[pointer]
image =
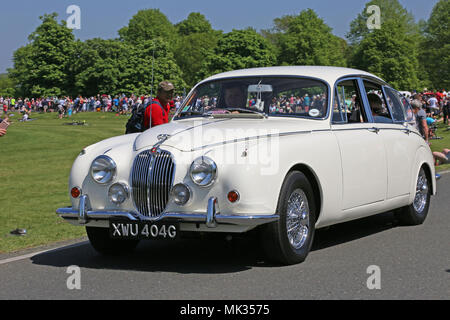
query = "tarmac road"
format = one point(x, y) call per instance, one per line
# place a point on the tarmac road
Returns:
point(413, 263)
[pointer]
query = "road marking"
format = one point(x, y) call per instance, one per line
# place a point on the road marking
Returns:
point(30, 255)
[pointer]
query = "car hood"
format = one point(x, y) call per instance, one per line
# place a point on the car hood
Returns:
point(195, 133)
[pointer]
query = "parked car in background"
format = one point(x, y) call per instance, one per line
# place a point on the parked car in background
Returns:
point(283, 150)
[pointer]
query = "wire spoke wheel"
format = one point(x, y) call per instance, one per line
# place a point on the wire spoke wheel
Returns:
point(297, 220)
point(421, 197)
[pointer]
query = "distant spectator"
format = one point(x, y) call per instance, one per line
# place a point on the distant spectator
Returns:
point(157, 112)
point(446, 110)
point(442, 157)
point(421, 118)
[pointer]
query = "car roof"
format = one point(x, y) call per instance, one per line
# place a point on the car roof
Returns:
point(329, 74)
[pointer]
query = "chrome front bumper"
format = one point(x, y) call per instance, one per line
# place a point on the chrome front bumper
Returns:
point(212, 219)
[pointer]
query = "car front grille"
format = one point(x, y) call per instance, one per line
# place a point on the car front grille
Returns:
point(151, 179)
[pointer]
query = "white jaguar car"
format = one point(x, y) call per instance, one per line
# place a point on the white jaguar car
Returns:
point(286, 150)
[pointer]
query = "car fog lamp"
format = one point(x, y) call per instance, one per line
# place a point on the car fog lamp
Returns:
point(233, 196)
point(203, 171)
point(118, 193)
point(180, 194)
point(103, 169)
point(75, 192)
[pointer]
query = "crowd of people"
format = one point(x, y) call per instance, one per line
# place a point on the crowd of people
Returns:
point(66, 106)
point(429, 108)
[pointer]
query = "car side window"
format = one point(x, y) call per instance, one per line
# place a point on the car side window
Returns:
point(408, 110)
point(395, 102)
point(347, 106)
point(377, 103)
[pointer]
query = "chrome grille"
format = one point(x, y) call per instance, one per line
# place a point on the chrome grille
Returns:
point(151, 181)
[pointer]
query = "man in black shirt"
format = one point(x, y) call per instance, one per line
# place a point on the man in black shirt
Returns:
point(446, 110)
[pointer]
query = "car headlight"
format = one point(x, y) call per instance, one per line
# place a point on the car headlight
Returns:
point(181, 194)
point(103, 169)
point(203, 171)
point(118, 193)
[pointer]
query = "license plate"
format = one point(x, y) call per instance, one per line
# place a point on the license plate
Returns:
point(143, 230)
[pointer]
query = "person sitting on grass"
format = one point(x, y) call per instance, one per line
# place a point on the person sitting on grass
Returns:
point(441, 157)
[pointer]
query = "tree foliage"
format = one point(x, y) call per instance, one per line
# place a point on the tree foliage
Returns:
point(195, 23)
point(41, 67)
point(390, 52)
point(239, 49)
point(6, 86)
point(197, 40)
point(305, 39)
point(148, 24)
point(435, 47)
point(114, 67)
point(150, 49)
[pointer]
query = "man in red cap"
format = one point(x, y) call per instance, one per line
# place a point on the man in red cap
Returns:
point(157, 112)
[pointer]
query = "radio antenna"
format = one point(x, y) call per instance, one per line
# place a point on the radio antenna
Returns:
point(153, 63)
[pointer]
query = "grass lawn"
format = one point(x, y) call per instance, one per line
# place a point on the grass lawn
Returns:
point(35, 162)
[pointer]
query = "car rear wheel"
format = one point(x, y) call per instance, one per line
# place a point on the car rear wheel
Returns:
point(288, 241)
point(417, 212)
point(102, 243)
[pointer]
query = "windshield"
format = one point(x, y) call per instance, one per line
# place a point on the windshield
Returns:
point(272, 96)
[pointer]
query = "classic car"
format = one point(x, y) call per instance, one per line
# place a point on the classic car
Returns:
point(282, 151)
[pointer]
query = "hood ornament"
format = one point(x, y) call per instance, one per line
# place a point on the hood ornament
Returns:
point(161, 139)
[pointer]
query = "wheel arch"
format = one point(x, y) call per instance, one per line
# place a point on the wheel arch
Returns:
point(429, 174)
point(423, 159)
point(315, 184)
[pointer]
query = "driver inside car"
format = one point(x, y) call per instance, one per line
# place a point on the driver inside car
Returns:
point(234, 97)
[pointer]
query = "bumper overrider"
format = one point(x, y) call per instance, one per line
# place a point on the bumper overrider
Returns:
point(212, 219)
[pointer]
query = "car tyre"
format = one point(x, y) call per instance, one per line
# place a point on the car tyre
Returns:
point(416, 213)
point(102, 243)
point(289, 240)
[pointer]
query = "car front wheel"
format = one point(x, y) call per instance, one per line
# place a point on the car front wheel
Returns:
point(289, 240)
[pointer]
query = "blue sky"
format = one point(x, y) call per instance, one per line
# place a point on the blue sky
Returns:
point(100, 18)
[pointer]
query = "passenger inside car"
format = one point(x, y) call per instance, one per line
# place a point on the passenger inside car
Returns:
point(376, 105)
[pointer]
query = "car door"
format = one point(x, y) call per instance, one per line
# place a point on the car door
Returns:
point(364, 165)
point(390, 120)
point(400, 144)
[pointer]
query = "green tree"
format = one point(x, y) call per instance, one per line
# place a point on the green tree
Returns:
point(99, 66)
point(190, 53)
point(197, 40)
point(115, 67)
point(148, 24)
point(239, 49)
point(305, 39)
point(435, 47)
point(195, 23)
point(7, 86)
point(391, 10)
point(153, 62)
point(390, 52)
point(40, 68)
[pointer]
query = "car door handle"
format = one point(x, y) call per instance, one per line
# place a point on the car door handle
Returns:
point(407, 131)
point(374, 130)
